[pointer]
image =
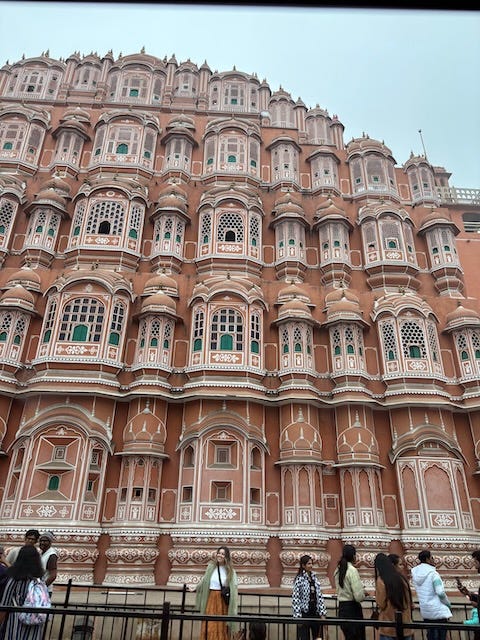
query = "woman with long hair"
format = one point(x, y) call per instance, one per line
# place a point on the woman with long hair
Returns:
point(392, 593)
point(350, 593)
point(307, 600)
point(219, 573)
point(26, 567)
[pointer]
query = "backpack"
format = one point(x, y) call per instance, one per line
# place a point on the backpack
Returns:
point(37, 596)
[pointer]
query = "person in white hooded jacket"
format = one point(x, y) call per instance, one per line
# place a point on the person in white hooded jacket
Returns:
point(432, 599)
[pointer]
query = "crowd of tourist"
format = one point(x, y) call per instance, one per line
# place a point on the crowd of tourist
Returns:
point(217, 594)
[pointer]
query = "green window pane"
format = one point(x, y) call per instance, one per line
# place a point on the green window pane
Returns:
point(53, 483)
point(226, 343)
point(114, 338)
point(80, 333)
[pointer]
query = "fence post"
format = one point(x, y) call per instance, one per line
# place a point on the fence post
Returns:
point(399, 625)
point(165, 621)
point(65, 605)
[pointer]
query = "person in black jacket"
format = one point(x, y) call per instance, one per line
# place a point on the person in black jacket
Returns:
point(307, 600)
point(471, 595)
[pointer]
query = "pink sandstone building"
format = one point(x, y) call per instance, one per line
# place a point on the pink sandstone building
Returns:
point(221, 322)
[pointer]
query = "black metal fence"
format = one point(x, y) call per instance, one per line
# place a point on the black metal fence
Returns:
point(97, 612)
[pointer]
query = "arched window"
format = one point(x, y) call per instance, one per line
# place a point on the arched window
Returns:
point(53, 483)
point(227, 331)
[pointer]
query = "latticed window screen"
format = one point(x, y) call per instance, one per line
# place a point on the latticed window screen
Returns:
point(12, 135)
point(433, 341)
point(49, 320)
point(78, 218)
point(136, 220)
point(230, 228)
point(82, 313)
point(206, 228)
point(106, 211)
point(232, 149)
point(255, 231)
point(297, 339)
point(198, 329)
point(5, 325)
point(255, 333)
point(389, 341)
point(118, 318)
point(123, 135)
point(7, 210)
point(167, 335)
point(227, 331)
point(475, 336)
point(413, 339)
point(391, 235)
point(19, 332)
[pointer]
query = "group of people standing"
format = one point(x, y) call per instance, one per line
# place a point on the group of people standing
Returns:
point(393, 594)
point(19, 567)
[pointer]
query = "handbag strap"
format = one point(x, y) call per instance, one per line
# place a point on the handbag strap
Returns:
point(219, 576)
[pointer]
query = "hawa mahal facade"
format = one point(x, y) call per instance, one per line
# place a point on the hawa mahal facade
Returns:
point(220, 322)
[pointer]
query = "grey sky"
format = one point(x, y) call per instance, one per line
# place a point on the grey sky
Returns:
point(385, 72)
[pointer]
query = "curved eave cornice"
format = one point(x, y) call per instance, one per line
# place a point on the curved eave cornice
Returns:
point(419, 436)
point(284, 140)
point(295, 461)
point(296, 318)
point(159, 311)
point(322, 151)
point(146, 452)
point(345, 317)
point(288, 215)
point(179, 133)
point(440, 222)
point(71, 126)
point(358, 463)
point(332, 217)
point(175, 210)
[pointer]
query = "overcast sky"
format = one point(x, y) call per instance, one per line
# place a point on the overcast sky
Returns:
point(386, 72)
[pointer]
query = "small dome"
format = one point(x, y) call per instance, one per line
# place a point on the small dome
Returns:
point(287, 206)
point(437, 217)
point(172, 199)
point(366, 144)
point(76, 113)
point(295, 309)
point(18, 296)
point(300, 441)
point(329, 210)
point(357, 444)
point(145, 433)
point(50, 196)
point(27, 278)
point(341, 294)
point(461, 317)
point(158, 303)
point(161, 283)
point(291, 292)
point(181, 121)
point(61, 186)
point(343, 307)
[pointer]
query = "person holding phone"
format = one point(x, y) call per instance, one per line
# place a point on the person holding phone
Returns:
point(471, 595)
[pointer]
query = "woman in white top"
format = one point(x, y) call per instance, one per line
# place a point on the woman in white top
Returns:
point(209, 600)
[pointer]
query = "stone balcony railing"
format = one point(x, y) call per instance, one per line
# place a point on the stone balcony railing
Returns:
point(454, 195)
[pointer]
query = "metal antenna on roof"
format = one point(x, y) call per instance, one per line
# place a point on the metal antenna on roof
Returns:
point(423, 145)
